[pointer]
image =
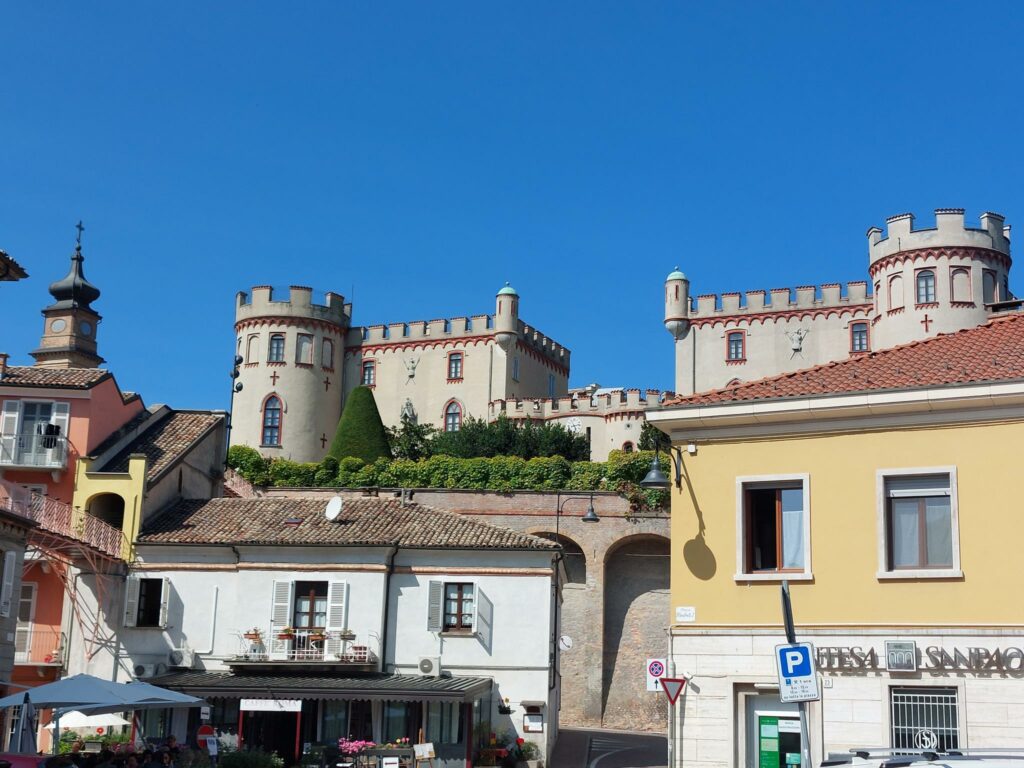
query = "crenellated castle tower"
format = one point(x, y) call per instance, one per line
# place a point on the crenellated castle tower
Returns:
point(301, 359)
point(925, 281)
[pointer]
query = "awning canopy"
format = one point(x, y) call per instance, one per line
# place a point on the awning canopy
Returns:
point(93, 695)
point(373, 687)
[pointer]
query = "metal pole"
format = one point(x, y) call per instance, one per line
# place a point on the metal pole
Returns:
point(787, 617)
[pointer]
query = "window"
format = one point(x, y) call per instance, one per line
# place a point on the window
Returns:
point(455, 365)
point(960, 284)
point(924, 718)
point(627, 447)
point(276, 353)
point(327, 354)
point(515, 368)
point(925, 286)
point(988, 280)
point(773, 521)
point(271, 421)
point(859, 337)
point(333, 719)
point(444, 724)
point(735, 346)
point(400, 720)
point(458, 607)
point(34, 433)
point(369, 373)
point(26, 616)
point(310, 605)
point(920, 531)
point(896, 292)
point(304, 349)
point(11, 569)
point(551, 385)
point(252, 348)
point(453, 417)
point(145, 602)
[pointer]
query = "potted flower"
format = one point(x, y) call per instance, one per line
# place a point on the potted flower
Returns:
point(286, 634)
point(317, 636)
point(529, 754)
point(254, 635)
point(346, 634)
point(351, 747)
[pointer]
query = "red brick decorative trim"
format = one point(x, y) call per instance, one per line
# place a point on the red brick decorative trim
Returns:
point(963, 304)
point(782, 314)
point(927, 305)
point(986, 255)
point(395, 346)
point(300, 322)
point(895, 311)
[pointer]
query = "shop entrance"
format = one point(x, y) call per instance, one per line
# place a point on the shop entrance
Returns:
point(772, 731)
point(272, 732)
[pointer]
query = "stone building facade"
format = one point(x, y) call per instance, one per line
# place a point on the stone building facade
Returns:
point(301, 358)
point(923, 282)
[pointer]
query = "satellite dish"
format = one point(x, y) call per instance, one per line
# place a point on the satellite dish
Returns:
point(333, 509)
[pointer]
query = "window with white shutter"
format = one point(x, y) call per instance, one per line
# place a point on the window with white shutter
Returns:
point(435, 606)
point(146, 602)
point(9, 418)
point(131, 601)
point(282, 597)
point(337, 603)
point(483, 619)
point(7, 584)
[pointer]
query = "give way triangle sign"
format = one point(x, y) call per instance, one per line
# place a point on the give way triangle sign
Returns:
point(672, 687)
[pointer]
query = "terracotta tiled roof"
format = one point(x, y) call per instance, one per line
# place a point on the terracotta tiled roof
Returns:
point(363, 522)
point(990, 352)
point(66, 378)
point(165, 442)
point(10, 269)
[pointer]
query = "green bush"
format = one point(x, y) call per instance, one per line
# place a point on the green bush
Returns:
point(360, 432)
point(249, 464)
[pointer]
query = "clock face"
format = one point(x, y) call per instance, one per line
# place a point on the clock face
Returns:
point(85, 327)
point(58, 325)
point(575, 424)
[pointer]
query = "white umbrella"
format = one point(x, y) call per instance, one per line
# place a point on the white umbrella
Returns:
point(77, 719)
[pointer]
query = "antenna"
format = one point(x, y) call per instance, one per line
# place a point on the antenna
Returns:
point(333, 509)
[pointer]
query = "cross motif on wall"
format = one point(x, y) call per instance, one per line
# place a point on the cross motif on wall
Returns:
point(926, 322)
point(274, 377)
point(327, 383)
point(323, 440)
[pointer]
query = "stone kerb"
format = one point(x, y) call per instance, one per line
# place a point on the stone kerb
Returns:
point(949, 232)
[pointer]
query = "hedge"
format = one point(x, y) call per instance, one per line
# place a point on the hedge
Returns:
point(360, 431)
point(622, 473)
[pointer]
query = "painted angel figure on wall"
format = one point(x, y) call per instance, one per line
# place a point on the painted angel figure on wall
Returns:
point(796, 341)
point(410, 367)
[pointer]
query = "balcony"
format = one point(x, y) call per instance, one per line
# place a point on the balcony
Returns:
point(39, 646)
point(55, 517)
point(304, 647)
point(33, 451)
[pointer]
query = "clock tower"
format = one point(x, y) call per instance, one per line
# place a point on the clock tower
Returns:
point(69, 331)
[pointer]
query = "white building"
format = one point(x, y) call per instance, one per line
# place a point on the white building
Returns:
point(389, 620)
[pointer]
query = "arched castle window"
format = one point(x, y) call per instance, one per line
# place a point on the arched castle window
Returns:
point(551, 385)
point(874, 297)
point(735, 346)
point(925, 286)
point(276, 351)
point(454, 366)
point(452, 417)
point(515, 368)
point(304, 349)
point(859, 337)
point(988, 279)
point(627, 447)
point(960, 284)
point(896, 292)
point(271, 421)
point(252, 348)
point(327, 354)
point(369, 377)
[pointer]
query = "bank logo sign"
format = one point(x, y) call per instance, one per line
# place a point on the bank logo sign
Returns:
point(900, 656)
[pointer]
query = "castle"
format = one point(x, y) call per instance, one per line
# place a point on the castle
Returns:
point(300, 359)
point(925, 282)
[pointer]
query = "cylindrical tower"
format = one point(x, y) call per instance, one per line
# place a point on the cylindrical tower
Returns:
point(939, 280)
point(506, 317)
point(677, 304)
point(292, 353)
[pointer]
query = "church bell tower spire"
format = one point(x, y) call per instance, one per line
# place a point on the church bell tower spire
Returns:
point(69, 330)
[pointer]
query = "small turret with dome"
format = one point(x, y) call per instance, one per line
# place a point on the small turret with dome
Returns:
point(506, 316)
point(677, 304)
point(69, 331)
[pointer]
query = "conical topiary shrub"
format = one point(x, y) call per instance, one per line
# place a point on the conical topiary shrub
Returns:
point(360, 431)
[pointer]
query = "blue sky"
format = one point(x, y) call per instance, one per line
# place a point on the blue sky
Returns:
point(421, 154)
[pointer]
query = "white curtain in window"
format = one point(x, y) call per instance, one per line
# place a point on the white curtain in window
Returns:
point(904, 532)
point(939, 530)
point(792, 528)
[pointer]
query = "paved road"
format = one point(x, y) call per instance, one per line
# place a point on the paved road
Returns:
point(580, 748)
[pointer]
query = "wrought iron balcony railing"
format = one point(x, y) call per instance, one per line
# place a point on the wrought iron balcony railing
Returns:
point(34, 451)
point(38, 645)
point(304, 645)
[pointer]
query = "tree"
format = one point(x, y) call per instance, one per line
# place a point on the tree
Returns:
point(653, 439)
point(410, 440)
point(360, 431)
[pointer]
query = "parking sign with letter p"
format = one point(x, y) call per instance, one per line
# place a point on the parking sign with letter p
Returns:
point(797, 678)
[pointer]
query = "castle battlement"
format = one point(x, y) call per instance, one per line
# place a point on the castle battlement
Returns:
point(780, 300)
point(616, 402)
point(265, 301)
point(548, 347)
point(949, 232)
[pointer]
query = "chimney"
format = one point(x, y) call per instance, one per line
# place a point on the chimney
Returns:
point(3, 364)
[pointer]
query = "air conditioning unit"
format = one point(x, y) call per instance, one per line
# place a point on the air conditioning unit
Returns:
point(143, 671)
point(181, 658)
point(430, 666)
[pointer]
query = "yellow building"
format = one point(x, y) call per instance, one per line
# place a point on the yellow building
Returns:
point(881, 487)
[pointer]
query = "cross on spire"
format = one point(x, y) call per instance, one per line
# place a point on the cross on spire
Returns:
point(78, 240)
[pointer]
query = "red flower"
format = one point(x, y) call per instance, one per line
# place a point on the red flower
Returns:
point(520, 741)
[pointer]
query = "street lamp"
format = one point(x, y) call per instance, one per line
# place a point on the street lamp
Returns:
point(590, 516)
point(236, 386)
point(655, 478)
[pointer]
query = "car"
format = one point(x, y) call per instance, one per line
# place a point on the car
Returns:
point(919, 758)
